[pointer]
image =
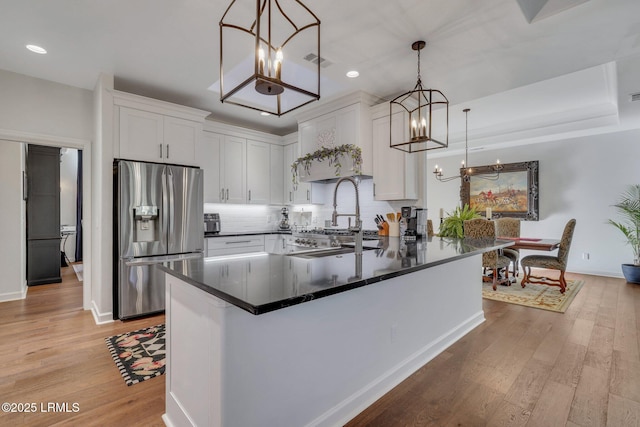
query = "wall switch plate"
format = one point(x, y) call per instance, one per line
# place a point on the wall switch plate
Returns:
point(585, 255)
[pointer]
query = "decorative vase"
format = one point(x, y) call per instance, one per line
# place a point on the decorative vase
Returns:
point(631, 273)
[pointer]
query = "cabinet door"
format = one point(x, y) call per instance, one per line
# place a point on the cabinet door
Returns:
point(210, 162)
point(277, 175)
point(232, 169)
point(290, 154)
point(347, 121)
point(141, 135)
point(258, 172)
point(181, 138)
point(394, 171)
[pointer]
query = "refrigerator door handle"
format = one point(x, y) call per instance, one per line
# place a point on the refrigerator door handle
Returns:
point(170, 192)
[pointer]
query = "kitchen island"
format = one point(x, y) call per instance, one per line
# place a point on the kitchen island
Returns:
point(266, 340)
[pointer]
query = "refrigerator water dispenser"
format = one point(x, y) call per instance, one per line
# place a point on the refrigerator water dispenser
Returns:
point(146, 218)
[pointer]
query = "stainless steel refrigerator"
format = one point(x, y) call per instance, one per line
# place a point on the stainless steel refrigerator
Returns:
point(158, 211)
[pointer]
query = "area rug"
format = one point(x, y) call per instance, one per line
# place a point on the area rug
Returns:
point(139, 355)
point(534, 295)
point(79, 270)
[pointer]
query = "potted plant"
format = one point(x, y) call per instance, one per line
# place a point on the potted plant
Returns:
point(629, 208)
point(452, 225)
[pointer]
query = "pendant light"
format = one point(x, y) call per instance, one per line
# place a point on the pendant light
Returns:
point(259, 49)
point(465, 170)
point(417, 108)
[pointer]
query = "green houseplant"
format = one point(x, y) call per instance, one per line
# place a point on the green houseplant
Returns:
point(330, 154)
point(452, 225)
point(628, 207)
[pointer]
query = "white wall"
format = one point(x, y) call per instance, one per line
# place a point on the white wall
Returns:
point(39, 112)
point(579, 178)
point(42, 107)
point(68, 196)
point(12, 222)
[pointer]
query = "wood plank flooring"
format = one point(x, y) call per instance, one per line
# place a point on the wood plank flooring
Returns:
point(522, 367)
point(52, 351)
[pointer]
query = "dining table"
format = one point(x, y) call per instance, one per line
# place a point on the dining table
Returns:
point(533, 243)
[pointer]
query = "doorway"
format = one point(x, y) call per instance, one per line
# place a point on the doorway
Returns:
point(54, 212)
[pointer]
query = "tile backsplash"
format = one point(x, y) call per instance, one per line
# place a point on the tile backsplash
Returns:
point(264, 217)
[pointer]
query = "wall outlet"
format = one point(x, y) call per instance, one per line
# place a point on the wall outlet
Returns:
point(585, 255)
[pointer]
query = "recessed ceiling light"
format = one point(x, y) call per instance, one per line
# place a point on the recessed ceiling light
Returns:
point(264, 113)
point(36, 49)
point(352, 74)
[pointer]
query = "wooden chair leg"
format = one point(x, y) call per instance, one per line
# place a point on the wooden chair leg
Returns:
point(563, 282)
point(525, 278)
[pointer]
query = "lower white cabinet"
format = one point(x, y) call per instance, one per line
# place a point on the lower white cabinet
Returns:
point(274, 243)
point(231, 245)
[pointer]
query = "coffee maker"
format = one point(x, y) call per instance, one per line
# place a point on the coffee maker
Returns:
point(416, 220)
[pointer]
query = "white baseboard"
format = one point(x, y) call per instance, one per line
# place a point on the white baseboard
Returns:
point(14, 296)
point(365, 397)
point(100, 318)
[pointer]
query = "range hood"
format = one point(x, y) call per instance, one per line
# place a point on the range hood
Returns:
point(326, 171)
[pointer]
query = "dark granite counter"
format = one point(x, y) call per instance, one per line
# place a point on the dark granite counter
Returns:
point(262, 282)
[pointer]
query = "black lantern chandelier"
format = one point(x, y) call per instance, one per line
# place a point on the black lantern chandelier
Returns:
point(465, 169)
point(260, 46)
point(416, 108)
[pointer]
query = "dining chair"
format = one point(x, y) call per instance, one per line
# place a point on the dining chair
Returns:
point(480, 228)
point(509, 227)
point(558, 262)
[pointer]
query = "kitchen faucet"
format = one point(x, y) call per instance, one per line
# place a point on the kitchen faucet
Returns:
point(334, 217)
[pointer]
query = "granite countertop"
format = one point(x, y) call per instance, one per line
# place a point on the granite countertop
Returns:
point(262, 282)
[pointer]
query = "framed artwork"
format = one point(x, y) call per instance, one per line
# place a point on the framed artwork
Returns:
point(512, 193)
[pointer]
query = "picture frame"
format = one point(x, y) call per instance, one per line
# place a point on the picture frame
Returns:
point(512, 193)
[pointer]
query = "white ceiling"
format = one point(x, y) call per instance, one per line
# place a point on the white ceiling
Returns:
point(169, 49)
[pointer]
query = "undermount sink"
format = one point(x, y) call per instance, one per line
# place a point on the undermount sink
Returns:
point(329, 252)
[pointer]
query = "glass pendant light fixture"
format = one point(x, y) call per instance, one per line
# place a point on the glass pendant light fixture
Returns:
point(259, 40)
point(418, 108)
point(465, 169)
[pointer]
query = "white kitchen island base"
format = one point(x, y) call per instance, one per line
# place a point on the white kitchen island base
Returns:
point(318, 363)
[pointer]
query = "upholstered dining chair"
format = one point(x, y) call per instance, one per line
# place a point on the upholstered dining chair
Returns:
point(509, 227)
point(558, 262)
point(480, 228)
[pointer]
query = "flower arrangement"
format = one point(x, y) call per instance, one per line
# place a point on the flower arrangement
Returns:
point(333, 155)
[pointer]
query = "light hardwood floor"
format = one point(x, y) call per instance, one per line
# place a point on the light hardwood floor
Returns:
point(523, 366)
point(52, 351)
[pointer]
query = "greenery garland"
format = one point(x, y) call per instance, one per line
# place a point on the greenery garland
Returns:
point(331, 154)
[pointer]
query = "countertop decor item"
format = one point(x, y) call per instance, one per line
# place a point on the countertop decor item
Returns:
point(417, 106)
point(332, 155)
point(628, 208)
point(452, 225)
point(269, 80)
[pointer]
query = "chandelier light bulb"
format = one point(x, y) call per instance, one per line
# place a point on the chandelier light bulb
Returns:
point(261, 61)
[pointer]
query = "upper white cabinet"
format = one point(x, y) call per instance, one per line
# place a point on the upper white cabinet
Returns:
point(304, 192)
point(241, 170)
point(395, 173)
point(233, 160)
point(156, 131)
point(210, 162)
point(258, 172)
point(276, 175)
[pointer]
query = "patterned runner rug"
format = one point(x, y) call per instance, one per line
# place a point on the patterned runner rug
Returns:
point(533, 295)
point(139, 355)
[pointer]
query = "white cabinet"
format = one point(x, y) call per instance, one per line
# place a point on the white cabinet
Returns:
point(277, 174)
point(304, 192)
point(395, 173)
point(233, 169)
point(148, 135)
point(210, 163)
point(258, 172)
point(274, 243)
point(231, 245)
